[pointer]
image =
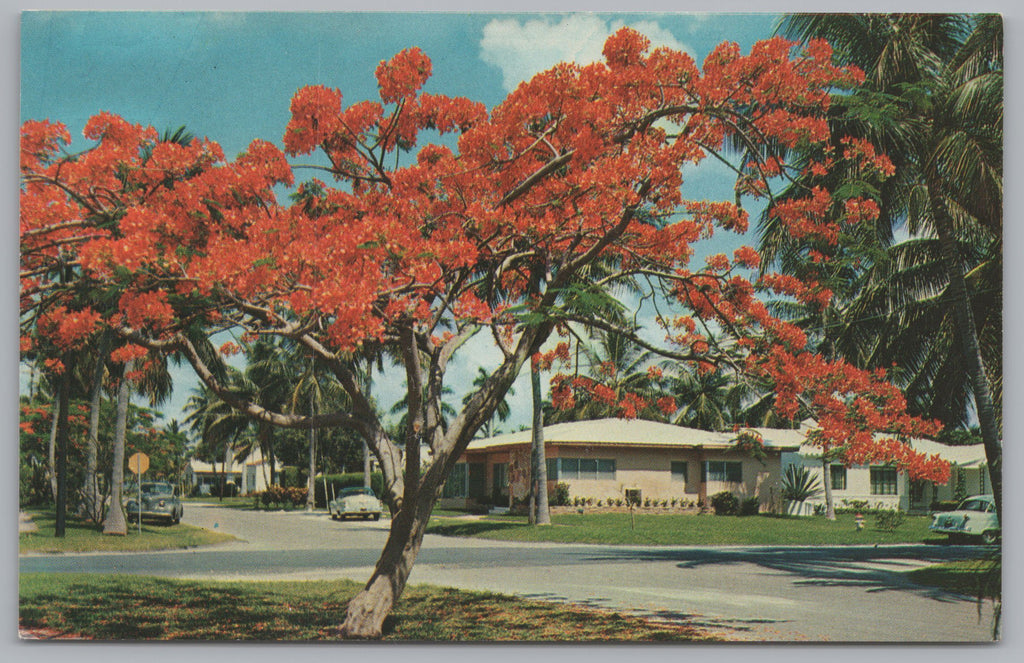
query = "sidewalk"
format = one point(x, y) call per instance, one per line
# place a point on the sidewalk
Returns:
point(25, 523)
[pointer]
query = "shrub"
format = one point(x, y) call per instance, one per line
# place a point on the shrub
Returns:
point(750, 507)
point(278, 496)
point(887, 520)
point(798, 485)
point(856, 505)
point(944, 505)
point(647, 501)
point(561, 495)
point(725, 503)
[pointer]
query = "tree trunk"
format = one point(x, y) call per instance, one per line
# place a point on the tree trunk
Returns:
point(63, 402)
point(51, 449)
point(366, 465)
point(115, 522)
point(224, 467)
point(266, 433)
point(311, 481)
point(369, 608)
point(969, 345)
point(826, 480)
point(540, 514)
point(91, 506)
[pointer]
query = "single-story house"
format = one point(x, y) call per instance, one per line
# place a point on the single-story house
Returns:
point(882, 487)
point(249, 475)
point(621, 458)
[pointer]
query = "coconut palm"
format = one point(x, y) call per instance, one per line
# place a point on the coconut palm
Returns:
point(503, 410)
point(932, 101)
point(620, 365)
point(708, 401)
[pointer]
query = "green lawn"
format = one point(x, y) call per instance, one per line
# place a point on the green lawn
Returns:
point(976, 577)
point(87, 537)
point(112, 607)
point(708, 530)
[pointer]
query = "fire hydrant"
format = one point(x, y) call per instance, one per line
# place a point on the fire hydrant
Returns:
point(859, 521)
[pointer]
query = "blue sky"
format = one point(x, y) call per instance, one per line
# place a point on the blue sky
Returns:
point(230, 77)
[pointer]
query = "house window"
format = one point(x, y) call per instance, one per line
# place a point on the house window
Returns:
point(883, 480)
point(679, 472)
point(457, 484)
point(581, 468)
point(722, 470)
point(837, 474)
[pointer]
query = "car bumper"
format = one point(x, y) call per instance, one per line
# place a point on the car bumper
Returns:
point(162, 514)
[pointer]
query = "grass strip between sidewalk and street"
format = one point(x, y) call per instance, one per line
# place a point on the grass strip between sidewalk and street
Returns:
point(684, 530)
point(109, 607)
point(80, 536)
point(979, 578)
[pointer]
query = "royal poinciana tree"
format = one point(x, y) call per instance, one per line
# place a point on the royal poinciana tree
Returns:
point(412, 256)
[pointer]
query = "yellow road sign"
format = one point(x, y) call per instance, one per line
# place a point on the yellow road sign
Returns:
point(138, 463)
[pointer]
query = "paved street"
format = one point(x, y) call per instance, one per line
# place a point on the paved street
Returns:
point(781, 594)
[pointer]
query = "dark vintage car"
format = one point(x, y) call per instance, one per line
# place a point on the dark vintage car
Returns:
point(159, 502)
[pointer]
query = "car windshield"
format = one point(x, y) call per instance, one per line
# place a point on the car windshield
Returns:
point(349, 492)
point(157, 489)
point(974, 505)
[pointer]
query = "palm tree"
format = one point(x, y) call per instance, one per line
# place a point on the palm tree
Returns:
point(216, 425)
point(620, 365)
point(115, 522)
point(709, 401)
point(91, 505)
point(932, 101)
point(503, 411)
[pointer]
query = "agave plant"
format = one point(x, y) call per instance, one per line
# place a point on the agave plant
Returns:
point(798, 484)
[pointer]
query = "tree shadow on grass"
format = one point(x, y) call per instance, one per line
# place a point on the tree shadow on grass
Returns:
point(472, 528)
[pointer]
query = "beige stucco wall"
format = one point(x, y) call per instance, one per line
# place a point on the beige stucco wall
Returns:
point(650, 471)
point(646, 469)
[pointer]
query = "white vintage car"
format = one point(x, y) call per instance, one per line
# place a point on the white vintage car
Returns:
point(355, 503)
point(975, 517)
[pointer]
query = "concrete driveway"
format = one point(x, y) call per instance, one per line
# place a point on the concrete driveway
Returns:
point(783, 594)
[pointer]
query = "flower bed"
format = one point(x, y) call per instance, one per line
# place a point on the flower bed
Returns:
point(655, 510)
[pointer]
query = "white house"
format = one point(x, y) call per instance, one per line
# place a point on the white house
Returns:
point(882, 487)
point(249, 475)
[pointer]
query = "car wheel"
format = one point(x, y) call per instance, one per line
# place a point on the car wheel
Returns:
point(376, 516)
point(989, 537)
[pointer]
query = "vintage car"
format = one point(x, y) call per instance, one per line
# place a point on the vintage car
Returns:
point(355, 502)
point(975, 517)
point(159, 502)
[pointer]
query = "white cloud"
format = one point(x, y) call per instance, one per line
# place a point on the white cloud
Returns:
point(521, 50)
